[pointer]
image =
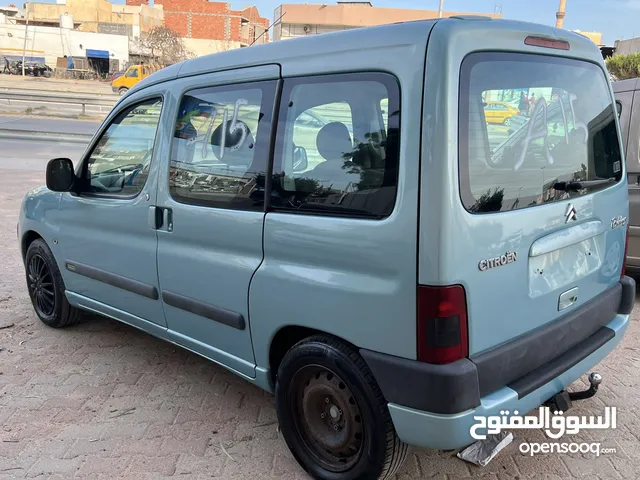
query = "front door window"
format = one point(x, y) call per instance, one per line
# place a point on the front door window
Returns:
point(119, 163)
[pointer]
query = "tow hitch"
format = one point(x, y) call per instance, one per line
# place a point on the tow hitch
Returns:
point(561, 402)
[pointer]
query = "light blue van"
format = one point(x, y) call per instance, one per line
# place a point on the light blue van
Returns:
point(335, 219)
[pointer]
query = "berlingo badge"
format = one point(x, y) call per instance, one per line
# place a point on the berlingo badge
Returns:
point(618, 221)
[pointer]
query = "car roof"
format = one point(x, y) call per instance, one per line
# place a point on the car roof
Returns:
point(358, 39)
point(630, 85)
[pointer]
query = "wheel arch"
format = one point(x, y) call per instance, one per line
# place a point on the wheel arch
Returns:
point(285, 338)
point(27, 239)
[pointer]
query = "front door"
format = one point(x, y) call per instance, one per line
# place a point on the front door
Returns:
point(211, 212)
point(108, 246)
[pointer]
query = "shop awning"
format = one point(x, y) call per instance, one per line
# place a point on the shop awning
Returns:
point(97, 53)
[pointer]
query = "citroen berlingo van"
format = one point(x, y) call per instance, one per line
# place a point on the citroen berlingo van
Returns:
point(338, 220)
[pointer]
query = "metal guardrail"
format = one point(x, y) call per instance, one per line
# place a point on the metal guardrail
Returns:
point(73, 99)
point(16, 134)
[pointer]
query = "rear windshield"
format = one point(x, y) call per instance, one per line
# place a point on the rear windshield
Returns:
point(529, 122)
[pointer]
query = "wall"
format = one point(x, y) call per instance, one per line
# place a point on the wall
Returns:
point(144, 16)
point(323, 18)
point(200, 46)
point(624, 47)
point(211, 20)
point(90, 13)
point(56, 42)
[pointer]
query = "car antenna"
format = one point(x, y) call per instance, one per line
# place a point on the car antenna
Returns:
point(274, 23)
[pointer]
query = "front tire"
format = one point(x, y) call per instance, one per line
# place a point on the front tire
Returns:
point(46, 287)
point(507, 122)
point(122, 91)
point(333, 415)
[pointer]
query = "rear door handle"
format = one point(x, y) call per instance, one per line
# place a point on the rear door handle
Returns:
point(160, 218)
point(167, 219)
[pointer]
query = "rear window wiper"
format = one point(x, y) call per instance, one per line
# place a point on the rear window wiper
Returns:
point(575, 185)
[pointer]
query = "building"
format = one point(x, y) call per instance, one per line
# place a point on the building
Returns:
point(98, 16)
point(94, 32)
point(208, 27)
point(595, 37)
point(299, 20)
point(47, 44)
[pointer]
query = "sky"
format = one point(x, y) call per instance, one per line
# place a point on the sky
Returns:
point(616, 19)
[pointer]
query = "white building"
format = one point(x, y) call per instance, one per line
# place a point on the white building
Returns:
point(49, 43)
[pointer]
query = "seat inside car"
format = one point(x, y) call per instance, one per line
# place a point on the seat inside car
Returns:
point(335, 146)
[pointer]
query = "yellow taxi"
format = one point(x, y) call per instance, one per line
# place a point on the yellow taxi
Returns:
point(133, 75)
point(500, 112)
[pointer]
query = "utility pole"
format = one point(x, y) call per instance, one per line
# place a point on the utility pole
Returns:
point(561, 13)
point(26, 30)
point(440, 8)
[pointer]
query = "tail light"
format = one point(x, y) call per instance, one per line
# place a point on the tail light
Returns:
point(624, 257)
point(442, 324)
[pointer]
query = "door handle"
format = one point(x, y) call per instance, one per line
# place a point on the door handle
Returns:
point(160, 218)
point(167, 219)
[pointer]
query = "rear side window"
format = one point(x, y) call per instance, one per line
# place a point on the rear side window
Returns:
point(221, 145)
point(529, 122)
point(337, 148)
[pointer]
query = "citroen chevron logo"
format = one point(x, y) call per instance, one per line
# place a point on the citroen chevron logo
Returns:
point(571, 214)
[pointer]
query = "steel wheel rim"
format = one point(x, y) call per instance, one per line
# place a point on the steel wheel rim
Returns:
point(328, 419)
point(41, 287)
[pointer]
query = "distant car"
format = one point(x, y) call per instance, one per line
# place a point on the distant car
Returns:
point(500, 113)
point(38, 69)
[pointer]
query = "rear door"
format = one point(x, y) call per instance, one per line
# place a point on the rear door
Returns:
point(510, 234)
point(538, 247)
point(210, 211)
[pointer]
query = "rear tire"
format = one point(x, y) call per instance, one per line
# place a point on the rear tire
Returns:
point(333, 415)
point(46, 287)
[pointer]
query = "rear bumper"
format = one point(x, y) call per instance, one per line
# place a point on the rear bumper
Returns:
point(433, 405)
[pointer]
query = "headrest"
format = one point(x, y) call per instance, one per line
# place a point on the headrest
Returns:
point(334, 142)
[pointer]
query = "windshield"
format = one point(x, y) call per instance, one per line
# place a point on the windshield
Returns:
point(529, 122)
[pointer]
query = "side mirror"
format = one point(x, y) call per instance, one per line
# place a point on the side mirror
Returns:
point(60, 175)
point(300, 159)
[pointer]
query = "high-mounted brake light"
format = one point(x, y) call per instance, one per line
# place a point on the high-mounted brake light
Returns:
point(547, 43)
point(442, 324)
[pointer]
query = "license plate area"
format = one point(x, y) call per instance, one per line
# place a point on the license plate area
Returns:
point(554, 270)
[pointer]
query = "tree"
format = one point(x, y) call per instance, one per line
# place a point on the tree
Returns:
point(623, 67)
point(164, 46)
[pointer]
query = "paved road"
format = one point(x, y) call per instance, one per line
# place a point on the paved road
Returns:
point(102, 400)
